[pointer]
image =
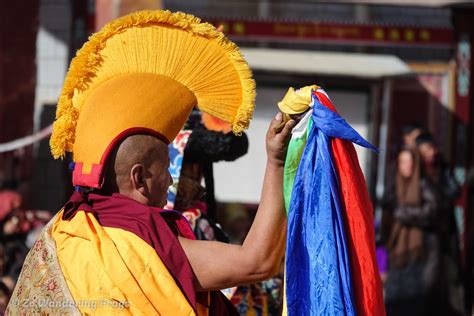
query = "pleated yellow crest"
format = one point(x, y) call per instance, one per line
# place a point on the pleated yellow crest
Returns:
point(144, 72)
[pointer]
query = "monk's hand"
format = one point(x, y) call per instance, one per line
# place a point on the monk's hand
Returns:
point(277, 140)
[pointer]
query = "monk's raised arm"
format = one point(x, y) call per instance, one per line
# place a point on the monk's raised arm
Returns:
point(219, 265)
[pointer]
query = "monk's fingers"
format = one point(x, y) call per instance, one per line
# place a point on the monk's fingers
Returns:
point(286, 131)
point(274, 123)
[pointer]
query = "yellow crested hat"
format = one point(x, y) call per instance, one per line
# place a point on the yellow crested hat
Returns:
point(144, 73)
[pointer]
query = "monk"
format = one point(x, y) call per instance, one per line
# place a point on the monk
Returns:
point(102, 243)
point(112, 249)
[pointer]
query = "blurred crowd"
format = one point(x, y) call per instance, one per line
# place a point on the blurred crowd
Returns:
point(418, 248)
point(18, 231)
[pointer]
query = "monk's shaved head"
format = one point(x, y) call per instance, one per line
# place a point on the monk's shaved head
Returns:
point(138, 149)
point(140, 162)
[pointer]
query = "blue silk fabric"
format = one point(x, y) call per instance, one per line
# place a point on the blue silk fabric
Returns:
point(318, 276)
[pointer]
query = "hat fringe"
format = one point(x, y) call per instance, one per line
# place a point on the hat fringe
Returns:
point(88, 60)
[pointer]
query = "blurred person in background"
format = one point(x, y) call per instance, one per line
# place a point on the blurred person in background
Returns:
point(416, 281)
point(202, 142)
point(448, 190)
point(410, 132)
point(436, 167)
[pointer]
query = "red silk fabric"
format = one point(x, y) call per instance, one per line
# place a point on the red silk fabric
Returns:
point(359, 223)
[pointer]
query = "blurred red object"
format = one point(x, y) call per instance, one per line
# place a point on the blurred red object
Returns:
point(215, 124)
point(9, 201)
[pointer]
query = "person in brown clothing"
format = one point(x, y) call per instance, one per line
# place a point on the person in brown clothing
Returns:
point(411, 211)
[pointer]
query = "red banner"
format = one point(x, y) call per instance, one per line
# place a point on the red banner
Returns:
point(334, 33)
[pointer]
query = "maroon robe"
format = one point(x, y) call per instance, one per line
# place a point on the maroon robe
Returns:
point(157, 227)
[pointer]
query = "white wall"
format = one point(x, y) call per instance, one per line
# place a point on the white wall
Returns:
point(241, 180)
point(353, 107)
point(51, 53)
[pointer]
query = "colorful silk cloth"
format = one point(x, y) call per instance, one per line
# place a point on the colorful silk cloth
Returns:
point(330, 257)
point(176, 155)
point(110, 255)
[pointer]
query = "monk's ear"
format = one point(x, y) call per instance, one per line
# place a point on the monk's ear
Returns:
point(138, 177)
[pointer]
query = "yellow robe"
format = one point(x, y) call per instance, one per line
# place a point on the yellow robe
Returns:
point(106, 271)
